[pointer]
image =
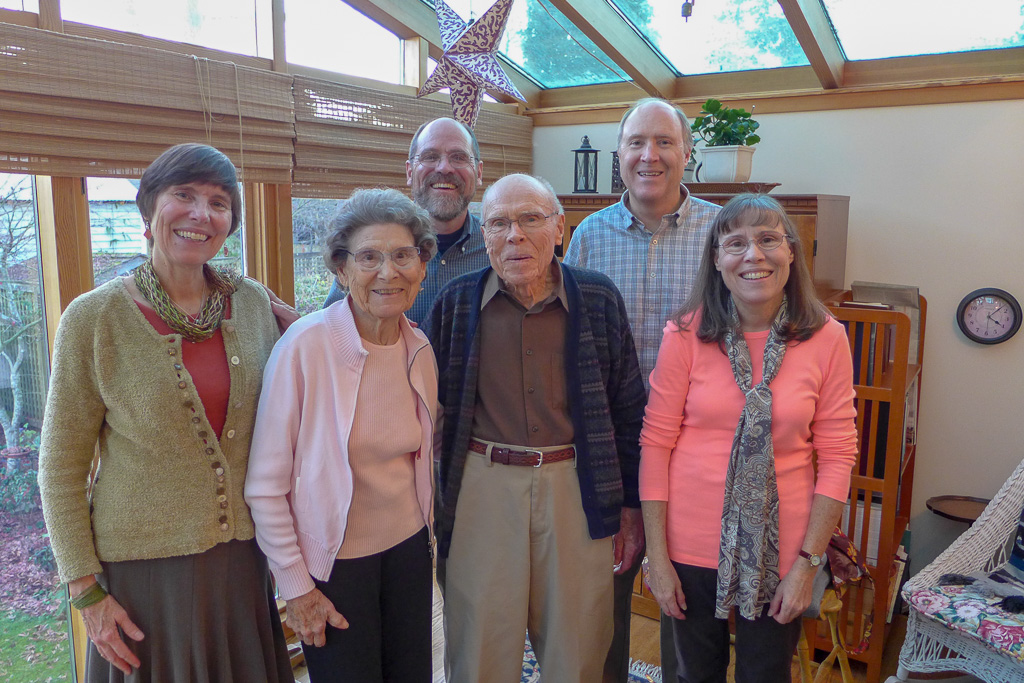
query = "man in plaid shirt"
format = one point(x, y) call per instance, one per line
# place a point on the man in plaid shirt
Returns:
point(649, 244)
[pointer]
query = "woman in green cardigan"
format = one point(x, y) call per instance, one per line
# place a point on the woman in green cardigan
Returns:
point(159, 373)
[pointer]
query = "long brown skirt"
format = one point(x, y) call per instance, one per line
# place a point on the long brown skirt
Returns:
point(207, 618)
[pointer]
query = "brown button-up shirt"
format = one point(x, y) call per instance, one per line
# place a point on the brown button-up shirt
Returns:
point(521, 394)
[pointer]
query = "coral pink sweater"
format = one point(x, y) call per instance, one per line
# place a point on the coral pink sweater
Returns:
point(691, 418)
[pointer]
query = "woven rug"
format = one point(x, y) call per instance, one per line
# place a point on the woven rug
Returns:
point(639, 672)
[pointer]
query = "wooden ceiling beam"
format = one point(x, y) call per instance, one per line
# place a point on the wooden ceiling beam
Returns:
point(617, 39)
point(813, 29)
point(412, 19)
point(816, 99)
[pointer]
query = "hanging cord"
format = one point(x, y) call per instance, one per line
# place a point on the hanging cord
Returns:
point(584, 47)
point(205, 96)
point(238, 105)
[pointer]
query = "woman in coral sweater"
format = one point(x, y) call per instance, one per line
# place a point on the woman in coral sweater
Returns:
point(752, 377)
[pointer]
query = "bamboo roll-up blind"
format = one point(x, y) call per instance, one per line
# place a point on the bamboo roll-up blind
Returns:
point(349, 136)
point(79, 106)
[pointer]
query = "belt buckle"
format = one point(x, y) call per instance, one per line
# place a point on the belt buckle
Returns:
point(540, 456)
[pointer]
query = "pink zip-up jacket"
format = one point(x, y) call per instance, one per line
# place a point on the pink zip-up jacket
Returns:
point(299, 484)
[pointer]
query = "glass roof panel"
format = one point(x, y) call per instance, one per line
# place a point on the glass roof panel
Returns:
point(545, 45)
point(240, 26)
point(876, 29)
point(727, 35)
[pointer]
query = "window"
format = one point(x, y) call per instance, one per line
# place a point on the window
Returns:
point(34, 645)
point(116, 231)
point(23, 5)
point(310, 218)
point(873, 29)
point(731, 35)
point(542, 42)
point(330, 35)
point(240, 26)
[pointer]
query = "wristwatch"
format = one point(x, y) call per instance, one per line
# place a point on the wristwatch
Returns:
point(815, 560)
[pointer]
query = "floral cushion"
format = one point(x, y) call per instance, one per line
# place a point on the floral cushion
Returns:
point(979, 616)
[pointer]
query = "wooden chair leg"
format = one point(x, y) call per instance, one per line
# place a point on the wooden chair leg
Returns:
point(803, 652)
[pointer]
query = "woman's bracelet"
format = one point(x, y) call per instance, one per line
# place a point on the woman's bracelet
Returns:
point(89, 597)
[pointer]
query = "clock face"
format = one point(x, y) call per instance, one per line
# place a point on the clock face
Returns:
point(989, 316)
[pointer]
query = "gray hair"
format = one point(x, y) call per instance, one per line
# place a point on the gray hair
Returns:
point(374, 207)
point(545, 185)
point(683, 121)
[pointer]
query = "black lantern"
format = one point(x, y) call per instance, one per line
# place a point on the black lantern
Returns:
point(586, 167)
point(617, 184)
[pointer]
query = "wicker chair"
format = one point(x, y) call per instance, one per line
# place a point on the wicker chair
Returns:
point(933, 647)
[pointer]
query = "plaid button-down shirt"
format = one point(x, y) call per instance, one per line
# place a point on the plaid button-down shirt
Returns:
point(654, 271)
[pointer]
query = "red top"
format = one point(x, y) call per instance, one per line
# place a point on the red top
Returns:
point(207, 363)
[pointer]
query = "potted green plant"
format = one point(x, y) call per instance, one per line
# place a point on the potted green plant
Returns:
point(728, 136)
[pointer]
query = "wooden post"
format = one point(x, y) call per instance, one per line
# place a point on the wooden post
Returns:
point(268, 237)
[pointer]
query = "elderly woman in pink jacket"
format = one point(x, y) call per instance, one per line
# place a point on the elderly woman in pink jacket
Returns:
point(339, 477)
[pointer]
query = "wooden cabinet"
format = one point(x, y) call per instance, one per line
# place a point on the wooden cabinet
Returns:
point(887, 390)
point(821, 220)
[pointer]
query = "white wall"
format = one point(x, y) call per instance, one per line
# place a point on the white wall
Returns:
point(936, 200)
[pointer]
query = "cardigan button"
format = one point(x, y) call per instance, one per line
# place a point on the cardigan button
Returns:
point(235, 360)
point(220, 471)
point(196, 420)
point(223, 527)
point(202, 435)
point(231, 433)
point(209, 451)
point(223, 518)
point(171, 352)
point(177, 366)
point(229, 328)
point(215, 464)
point(221, 499)
point(224, 506)
point(182, 385)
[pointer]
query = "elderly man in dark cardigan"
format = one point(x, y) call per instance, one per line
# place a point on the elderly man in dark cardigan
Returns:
point(543, 404)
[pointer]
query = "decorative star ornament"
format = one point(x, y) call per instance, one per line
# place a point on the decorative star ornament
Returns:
point(469, 64)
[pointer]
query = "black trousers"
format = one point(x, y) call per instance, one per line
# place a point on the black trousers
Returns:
point(764, 647)
point(387, 600)
point(616, 666)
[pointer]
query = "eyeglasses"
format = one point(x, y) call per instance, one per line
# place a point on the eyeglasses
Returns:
point(768, 241)
point(455, 159)
point(371, 259)
point(527, 222)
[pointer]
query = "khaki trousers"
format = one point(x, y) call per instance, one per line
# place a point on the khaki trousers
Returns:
point(521, 560)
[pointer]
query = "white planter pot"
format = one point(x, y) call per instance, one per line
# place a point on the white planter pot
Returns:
point(725, 164)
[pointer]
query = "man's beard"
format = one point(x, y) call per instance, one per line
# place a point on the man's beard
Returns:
point(441, 208)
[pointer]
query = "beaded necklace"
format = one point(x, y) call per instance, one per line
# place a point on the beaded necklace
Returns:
point(194, 329)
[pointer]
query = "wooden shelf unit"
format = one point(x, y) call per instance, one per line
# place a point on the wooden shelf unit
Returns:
point(820, 219)
point(882, 485)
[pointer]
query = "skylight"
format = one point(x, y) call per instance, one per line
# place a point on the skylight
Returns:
point(542, 42)
point(875, 29)
point(720, 36)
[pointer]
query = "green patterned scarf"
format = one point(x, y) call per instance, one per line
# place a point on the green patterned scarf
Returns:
point(748, 561)
point(203, 326)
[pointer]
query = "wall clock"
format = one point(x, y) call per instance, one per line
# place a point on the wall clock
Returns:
point(988, 315)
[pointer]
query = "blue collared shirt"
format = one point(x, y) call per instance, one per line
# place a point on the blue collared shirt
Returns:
point(466, 255)
point(654, 270)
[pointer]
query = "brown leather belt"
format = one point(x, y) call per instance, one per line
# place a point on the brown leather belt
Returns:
point(527, 457)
